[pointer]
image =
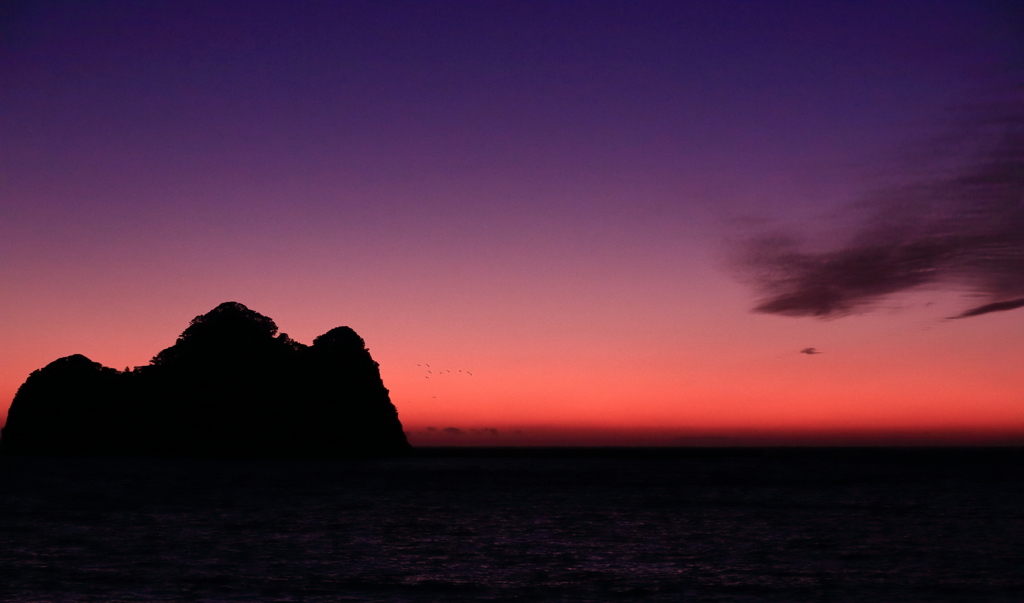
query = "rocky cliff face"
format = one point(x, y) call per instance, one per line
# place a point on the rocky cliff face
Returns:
point(230, 386)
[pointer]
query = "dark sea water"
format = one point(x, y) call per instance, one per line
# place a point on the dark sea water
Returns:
point(902, 525)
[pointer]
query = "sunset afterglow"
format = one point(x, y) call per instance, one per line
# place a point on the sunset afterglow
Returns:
point(549, 196)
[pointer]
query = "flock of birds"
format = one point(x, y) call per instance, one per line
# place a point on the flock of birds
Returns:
point(438, 372)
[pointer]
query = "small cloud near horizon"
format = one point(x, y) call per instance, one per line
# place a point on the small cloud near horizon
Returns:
point(470, 432)
point(810, 351)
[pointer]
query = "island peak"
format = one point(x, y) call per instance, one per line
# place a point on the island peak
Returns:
point(231, 385)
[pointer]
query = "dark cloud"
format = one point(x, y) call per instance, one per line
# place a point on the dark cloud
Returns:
point(963, 227)
point(993, 307)
point(810, 351)
point(452, 430)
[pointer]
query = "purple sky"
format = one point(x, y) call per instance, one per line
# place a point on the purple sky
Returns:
point(466, 180)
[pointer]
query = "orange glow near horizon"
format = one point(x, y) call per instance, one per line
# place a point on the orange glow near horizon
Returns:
point(687, 381)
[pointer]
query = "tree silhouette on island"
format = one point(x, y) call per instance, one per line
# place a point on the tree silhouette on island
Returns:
point(231, 386)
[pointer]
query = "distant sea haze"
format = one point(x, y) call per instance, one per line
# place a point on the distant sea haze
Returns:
point(553, 435)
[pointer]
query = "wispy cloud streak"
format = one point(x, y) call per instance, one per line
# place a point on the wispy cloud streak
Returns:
point(993, 307)
point(963, 228)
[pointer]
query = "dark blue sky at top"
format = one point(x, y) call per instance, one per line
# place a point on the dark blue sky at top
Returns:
point(140, 114)
point(418, 84)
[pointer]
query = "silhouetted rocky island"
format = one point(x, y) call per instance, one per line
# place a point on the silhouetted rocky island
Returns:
point(230, 386)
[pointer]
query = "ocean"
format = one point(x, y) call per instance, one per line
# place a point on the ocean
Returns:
point(689, 524)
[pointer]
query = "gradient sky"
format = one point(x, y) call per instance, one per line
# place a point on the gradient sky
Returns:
point(545, 194)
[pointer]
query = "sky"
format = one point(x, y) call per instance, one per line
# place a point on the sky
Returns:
point(619, 217)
